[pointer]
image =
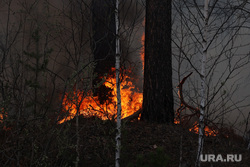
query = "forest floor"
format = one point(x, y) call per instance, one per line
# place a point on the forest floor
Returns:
point(143, 145)
point(151, 145)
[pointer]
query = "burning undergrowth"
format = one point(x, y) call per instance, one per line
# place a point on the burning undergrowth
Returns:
point(88, 104)
point(103, 102)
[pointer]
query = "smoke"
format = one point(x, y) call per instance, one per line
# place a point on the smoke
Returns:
point(65, 47)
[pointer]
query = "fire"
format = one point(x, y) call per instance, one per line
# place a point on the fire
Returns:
point(1, 118)
point(2, 115)
point(177, 118)
point(208, 131)
point(176, 121)
point(143, 49)
point(143, 46)
point(89, 106)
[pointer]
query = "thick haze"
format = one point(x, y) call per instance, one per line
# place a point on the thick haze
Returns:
point(65, 28)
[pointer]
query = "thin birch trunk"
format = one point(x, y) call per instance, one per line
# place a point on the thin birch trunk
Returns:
point(203, 85)
point(77, 128)
point(117, 66)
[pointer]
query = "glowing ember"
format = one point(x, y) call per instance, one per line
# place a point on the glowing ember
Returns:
point(89, 106)
point(2, 115)
point(177, 118)
point(143, 46)
point(1, 118)
point(176, 121)
point(142, 50)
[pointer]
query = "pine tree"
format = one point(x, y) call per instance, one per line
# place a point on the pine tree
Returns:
point(157, 90)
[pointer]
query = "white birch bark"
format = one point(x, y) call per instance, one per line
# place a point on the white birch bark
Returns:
point(117, 66)
point(203, 85)
point(77, 130)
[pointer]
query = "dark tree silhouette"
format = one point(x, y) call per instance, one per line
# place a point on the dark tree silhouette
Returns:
point(103, 44)
point(157, 90)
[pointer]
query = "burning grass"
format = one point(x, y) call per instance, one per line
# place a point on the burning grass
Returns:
point(89, 105)
point(131, 101)
point(208, 130)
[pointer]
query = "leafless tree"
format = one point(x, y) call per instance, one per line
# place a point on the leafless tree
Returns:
point(210, 39)
point(46, 56)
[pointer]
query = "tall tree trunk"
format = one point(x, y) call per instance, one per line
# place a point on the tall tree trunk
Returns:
point(203, 85)
point(103, 43)
point(157, 90)
point(119, 108)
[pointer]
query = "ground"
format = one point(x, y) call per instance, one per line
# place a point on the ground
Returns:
point(41, 143)
point(148, 144)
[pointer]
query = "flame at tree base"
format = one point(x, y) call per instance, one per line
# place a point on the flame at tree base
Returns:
point(88, 105)
point(208, 131)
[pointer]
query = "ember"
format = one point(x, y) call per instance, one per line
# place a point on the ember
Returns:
point(2, 115)
point(142, 51)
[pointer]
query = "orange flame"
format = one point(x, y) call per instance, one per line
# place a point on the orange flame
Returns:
point(131, 101)
point(208, 131)
point(143, 45)
point(2, 115)
point(176, 121)
point(1, 118)
point(143, 49)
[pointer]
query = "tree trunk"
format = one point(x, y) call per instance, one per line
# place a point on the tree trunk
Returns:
point(157, 90)
point(119, 107)
point(203, 85)
point(103, 44)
